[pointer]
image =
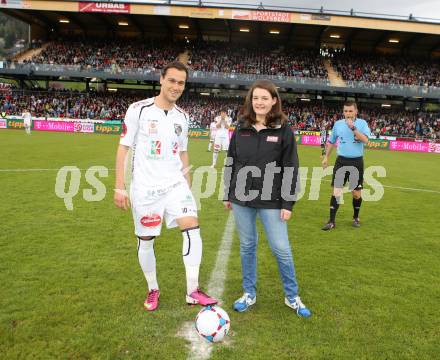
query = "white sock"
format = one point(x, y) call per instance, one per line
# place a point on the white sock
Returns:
point(214, 157)
point(192, 257)
point(147, 261)
point(209, 146)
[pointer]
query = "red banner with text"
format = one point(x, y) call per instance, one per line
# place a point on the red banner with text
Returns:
point(99, 7)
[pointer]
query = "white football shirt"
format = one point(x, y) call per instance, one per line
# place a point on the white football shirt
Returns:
point(156, 138)
point(27, 117)
point(223, 130)
point(213, 128)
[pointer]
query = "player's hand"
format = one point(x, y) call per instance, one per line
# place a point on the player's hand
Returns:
point(121, 199)
point(227, 205)
point(324, 162)
point(349, 123)
point(285, 214)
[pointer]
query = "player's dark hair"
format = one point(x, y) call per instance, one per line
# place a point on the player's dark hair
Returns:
point(174, 65)
point(275, 115)
point(351, 103)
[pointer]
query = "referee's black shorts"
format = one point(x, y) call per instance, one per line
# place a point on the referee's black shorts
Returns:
point(348, 169)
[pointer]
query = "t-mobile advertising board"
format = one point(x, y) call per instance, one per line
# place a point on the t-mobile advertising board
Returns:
point(115, 128)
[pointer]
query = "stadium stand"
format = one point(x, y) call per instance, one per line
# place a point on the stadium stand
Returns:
point(240, 59)
point(203, 109)
point(396, 70)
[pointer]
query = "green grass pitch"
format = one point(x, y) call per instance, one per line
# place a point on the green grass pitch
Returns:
point(71, 286)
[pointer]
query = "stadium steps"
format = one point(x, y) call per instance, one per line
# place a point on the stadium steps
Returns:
point(28, 54)
point(333, 75)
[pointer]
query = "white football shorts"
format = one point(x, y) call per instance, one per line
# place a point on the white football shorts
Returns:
point(152, 207)
point(221, 143)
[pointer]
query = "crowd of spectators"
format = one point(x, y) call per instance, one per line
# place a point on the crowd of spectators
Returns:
point(389, 70)
point(241, 59)
point(114, 56)
point(231, 58)
point(67, 104)
point(311, 116)
point(382, 122)
point(204, 56)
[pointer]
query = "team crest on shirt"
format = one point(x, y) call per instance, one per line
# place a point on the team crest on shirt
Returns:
point(178, 129)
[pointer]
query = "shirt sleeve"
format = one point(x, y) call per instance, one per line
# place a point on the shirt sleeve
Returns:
point(229, 167)
point(332, 138)
point(365, 129)
point(289, 162)
point(130, 127)
point(183, 137)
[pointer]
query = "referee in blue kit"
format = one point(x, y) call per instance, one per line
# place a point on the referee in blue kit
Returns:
point(352, 134)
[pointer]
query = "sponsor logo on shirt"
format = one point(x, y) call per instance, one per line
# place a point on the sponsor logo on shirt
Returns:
point(152, 127)
point(151, 220)
point(175, 148)
point(272, 139)
point(141, 103)
point(156, 147)
point(188, 200)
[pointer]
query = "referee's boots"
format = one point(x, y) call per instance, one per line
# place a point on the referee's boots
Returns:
point(356, 222)
point(330, 225)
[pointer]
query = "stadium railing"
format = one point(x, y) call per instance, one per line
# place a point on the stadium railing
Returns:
point(151, 74)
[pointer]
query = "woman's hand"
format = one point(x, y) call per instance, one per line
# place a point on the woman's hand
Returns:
point(227, 205)
point(285, 214)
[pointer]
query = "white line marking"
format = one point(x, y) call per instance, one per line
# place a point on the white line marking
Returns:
point(401, 188)
point(411, 189)
point(35, 170)
point(200, 349)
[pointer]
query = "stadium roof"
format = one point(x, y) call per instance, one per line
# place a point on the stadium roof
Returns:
point(301, 28)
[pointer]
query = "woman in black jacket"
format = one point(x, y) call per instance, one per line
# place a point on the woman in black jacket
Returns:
point(261, 176)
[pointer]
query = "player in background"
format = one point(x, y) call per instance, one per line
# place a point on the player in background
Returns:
point(27, 119)
point(221, 141)
point(212, 131)
point(352, 134)
point(157, 132)
point(323, 135)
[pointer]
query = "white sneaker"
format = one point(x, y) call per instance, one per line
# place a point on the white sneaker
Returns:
point(244, 302)
point(297, 305)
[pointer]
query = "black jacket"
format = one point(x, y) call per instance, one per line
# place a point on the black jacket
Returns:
point(263, 150)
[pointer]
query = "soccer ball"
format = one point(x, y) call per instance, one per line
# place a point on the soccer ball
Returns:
point(212, 323)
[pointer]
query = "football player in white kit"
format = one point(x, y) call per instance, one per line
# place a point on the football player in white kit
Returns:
point(157, 132)
point(212, 131)
point(221, 141)
point(27, 119)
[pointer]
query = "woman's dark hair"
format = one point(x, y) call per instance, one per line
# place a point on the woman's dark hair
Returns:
point(275, 115)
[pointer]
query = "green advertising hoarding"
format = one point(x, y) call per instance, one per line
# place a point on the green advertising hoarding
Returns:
point(108, 128)
point(15, 124)
point(381, 144)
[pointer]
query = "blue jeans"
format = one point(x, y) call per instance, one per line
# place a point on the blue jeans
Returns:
point(276, 233)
